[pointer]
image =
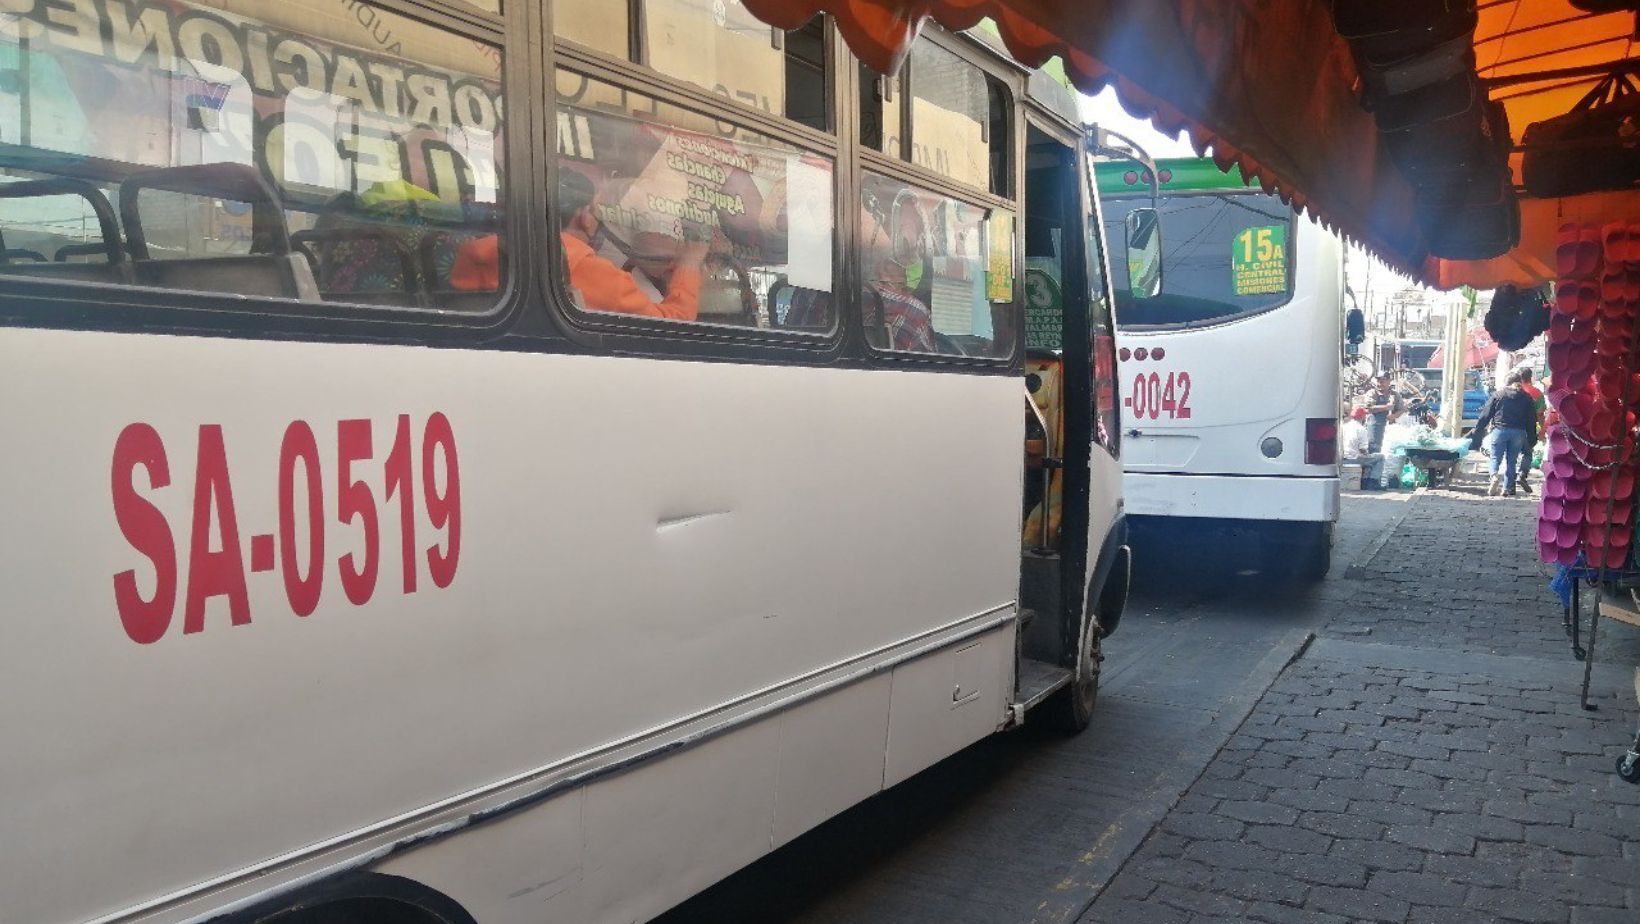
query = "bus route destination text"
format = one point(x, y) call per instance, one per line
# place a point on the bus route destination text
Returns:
point(1258, 261)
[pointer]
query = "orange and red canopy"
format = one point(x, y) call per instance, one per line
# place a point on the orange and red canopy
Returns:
point(1272, 88)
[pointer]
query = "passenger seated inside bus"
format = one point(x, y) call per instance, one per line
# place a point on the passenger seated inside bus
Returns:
point(925, 287)
point(601, 284)
point(899, 286)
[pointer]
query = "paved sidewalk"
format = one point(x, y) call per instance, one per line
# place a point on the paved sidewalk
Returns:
point(1425, 760)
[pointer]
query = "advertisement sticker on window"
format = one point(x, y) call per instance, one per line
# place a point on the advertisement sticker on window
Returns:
point(1258, 260)
point(999, 273)
point(1044, 304)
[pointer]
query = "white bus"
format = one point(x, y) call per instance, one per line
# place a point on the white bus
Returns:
point(432, 499)
point(1230, 366)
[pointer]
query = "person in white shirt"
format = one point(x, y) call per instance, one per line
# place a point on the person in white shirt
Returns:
point(1356, 441)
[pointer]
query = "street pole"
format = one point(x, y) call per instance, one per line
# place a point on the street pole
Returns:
point(1453, 369)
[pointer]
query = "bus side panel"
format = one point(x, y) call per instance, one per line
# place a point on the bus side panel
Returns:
point(831, 755)
point(673, 827)
point(640, 541)
point(944, 703)
point(660, 833)
point(525, 866)
point(1106, 502)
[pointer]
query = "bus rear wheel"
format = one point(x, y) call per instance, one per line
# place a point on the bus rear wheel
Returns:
point(1070, 710)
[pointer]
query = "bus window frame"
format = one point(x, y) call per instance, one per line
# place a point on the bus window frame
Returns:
point(81, 305)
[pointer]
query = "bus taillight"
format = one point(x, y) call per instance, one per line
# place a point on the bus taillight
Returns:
point(1320, 441)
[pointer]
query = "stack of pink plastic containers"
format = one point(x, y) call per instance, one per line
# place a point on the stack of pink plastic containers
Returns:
point(1589, 463)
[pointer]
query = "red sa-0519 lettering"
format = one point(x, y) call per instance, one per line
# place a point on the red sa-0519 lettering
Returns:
point(141, 469)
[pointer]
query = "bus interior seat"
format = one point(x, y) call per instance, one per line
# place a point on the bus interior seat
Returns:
point(115, 269)
point(76, 250)
point(283, 275)
point(780, 289)
point(273, 268)
point(319, 248)
point(797, 307)
point(17, 253)
point(1048, 398)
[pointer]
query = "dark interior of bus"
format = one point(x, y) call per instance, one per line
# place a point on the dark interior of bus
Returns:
point(1059, 413)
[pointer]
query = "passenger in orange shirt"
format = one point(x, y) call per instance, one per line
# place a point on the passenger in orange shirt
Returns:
point(603, 285)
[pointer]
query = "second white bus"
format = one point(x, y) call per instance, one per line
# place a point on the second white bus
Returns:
point(1230, 365)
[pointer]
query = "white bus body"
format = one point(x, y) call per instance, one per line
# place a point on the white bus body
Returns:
point(1232, 417)
point(360, 610)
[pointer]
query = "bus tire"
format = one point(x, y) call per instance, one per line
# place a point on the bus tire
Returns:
point(1070, 710)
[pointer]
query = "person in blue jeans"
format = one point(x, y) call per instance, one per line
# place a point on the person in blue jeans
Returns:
point(1508, 424)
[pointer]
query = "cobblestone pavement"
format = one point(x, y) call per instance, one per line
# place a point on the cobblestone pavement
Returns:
point(1426, 760)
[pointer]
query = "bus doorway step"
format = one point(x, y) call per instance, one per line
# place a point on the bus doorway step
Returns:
point(1038, 680)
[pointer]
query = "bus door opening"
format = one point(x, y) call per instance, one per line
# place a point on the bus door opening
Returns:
point(1057, 403)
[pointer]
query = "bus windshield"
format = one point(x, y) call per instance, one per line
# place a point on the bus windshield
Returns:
point(1226, 255)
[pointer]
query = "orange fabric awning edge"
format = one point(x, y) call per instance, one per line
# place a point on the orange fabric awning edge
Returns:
point(1270, 88)
point(1170, 61)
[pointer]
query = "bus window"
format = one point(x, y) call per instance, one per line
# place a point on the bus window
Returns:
point(715, 44)
point(604, 25)
point(297, 150)
point(669, 213)
point(880, 110)
point(1225, 255)
point(923, 259)
point(958, 119)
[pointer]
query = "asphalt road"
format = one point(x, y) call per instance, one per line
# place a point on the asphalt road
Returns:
point(1028, 826)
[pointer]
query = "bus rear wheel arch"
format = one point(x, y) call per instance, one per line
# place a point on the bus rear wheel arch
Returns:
point(359, 898)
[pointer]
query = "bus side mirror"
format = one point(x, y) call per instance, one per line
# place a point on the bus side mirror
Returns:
point(1355, 326)
point(1144, 253)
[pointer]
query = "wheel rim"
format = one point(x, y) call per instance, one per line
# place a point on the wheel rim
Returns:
point(1087, 668)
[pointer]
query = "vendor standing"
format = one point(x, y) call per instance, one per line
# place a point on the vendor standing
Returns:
point(1383, 405)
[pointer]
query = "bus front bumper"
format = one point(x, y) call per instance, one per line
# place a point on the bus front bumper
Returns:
point(1231, 497)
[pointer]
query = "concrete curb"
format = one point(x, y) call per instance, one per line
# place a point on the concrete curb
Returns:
point(1357, 570)
point(1129, 830)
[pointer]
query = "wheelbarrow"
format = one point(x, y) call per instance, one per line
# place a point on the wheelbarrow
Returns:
point(1437, 465)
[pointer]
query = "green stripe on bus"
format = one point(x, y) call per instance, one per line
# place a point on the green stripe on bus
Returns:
point(1182, 174)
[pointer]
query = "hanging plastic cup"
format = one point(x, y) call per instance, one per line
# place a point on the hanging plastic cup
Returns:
point(1617, 556)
